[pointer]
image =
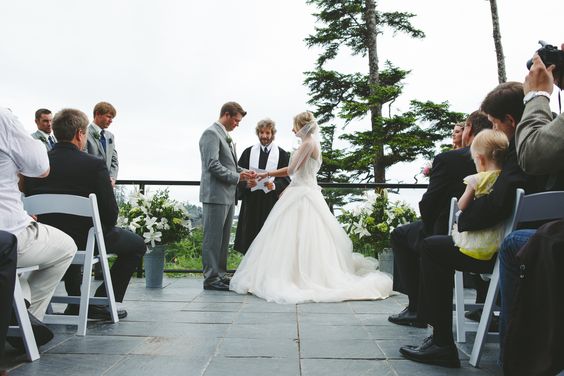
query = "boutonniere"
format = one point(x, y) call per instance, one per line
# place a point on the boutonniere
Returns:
point(228, 139)
point(110, 141)
point(42, 138)
point(96, 135)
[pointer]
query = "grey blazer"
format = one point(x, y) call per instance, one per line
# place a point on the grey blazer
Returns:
point(220, 173)
point(94, 147)
point(540, 138)
point(41, 137)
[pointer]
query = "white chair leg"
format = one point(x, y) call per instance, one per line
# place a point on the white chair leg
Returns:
point(25, 326)
point(459, 307)
point(484, 325)
point(103, 259)
point(85, 295)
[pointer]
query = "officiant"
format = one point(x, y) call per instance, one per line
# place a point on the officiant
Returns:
point(258, 198)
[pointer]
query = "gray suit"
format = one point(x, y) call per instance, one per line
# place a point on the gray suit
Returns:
point(218, 185)
point(94, 147)
point(41, 137)
point(540, 139)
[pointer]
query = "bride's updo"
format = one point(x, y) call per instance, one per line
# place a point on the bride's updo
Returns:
point(305, 123)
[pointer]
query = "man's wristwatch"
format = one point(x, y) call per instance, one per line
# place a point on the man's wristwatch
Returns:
point(533, 94)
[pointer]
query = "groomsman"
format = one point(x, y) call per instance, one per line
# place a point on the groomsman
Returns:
point(220, 176)
point(256, 204)
point(100, 141)
point(44, 132)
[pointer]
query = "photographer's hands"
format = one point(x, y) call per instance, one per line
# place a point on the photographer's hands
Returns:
point(540, 77)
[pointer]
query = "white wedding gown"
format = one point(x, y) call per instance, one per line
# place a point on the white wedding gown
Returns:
point(302, 254)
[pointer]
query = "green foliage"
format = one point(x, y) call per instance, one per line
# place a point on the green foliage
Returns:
point(350, 96)
point(158, 218)
point(369, 224)
point(187, 253)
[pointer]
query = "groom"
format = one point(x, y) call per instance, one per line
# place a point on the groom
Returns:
point(220, 175)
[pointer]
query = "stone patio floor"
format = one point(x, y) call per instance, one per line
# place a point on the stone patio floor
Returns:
point(184, 330)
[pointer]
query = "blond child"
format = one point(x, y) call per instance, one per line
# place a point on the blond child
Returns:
point(488, 152)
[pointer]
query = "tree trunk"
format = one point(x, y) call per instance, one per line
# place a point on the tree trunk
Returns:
point(502, 77)
point(374, 77)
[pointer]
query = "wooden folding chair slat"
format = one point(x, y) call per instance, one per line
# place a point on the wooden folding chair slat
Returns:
point(86, 207)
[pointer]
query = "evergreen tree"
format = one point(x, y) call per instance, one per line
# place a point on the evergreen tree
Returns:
point(356, 24)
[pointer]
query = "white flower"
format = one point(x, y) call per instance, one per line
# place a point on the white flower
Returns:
point(152, 236)
point(359, 228)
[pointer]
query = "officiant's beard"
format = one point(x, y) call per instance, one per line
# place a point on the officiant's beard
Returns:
point(265, 141)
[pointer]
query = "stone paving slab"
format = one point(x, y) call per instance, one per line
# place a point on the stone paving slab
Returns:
point(183, 330)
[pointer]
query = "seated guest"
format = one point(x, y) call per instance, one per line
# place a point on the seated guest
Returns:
point(447, 173)
point(540, 151)
point(77, 173)
point(440, 257)
point(38, 244)
point(8, 258)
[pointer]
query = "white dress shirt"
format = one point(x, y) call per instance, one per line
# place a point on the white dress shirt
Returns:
point(19, 153)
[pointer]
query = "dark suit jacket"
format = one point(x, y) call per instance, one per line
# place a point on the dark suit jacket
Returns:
point(446, 181)
point(77, 173)
point(491, 209)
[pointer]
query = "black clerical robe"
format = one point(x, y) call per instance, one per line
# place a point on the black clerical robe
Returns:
point(255, 206)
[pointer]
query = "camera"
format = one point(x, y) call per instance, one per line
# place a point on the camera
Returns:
point(550, 55)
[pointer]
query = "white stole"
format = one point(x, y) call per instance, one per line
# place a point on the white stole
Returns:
point(271, 163)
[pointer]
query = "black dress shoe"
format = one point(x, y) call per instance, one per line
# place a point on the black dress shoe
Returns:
point(218, 285)
point(41, 333)
point(476, 315)
point(100, 312)
point(407, 318)
point(225, 279)
point(430, 353)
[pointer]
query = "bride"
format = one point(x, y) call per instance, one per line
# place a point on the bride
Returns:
point(302, 254)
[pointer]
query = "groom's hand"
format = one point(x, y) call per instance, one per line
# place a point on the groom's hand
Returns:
point(251, 183)
point(247, 175)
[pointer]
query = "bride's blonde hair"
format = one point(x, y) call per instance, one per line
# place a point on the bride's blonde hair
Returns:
point(305, 118)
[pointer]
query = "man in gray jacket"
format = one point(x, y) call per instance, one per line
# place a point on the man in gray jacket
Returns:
point(44, 132)
point(101, 142)
point(220, 175)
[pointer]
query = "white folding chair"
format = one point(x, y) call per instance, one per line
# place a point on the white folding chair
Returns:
point(530, 208)
point(463, 325)
point(84, 207)
point(24, 329)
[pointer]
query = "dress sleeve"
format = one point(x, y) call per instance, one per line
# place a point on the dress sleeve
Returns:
point(306, 150)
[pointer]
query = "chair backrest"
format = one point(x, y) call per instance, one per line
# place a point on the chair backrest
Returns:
point(452, 214)
point(538, 206)
point(58, 203)
point(49, 203)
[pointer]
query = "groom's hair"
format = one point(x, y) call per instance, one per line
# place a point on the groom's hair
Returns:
point(232, 108)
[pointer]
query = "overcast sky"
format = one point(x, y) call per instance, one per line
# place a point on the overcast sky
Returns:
point(168, 66)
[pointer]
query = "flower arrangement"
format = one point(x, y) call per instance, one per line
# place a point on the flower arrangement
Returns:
point(369, 224)
point(157, 218)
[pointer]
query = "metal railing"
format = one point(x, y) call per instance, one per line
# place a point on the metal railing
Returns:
point(142, 183)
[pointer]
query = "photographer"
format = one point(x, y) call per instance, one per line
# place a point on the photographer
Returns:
point(530, 259)
point(539, 136)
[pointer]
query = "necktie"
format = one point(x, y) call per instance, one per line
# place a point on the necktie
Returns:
point(103, 140)
point(51, 141)
point(263, 158)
